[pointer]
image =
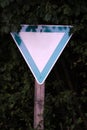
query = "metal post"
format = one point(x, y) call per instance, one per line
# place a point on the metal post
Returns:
point(39, 106)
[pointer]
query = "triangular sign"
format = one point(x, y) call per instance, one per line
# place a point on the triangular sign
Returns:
point(41, 46)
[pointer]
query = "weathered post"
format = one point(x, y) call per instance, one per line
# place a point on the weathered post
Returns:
point(39, 106)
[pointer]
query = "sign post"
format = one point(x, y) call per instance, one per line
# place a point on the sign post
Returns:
point(41, 46)
point(39, 106)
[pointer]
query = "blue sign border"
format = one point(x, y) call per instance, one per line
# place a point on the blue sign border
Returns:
point(41, 76)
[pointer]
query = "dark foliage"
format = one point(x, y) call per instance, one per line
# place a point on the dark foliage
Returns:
point(66, 86)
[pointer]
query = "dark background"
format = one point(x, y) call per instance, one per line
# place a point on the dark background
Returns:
point(66, 86)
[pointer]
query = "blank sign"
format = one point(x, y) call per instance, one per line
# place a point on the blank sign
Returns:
point(41, 47)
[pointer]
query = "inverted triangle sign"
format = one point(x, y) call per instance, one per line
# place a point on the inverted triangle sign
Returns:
point(41, 46)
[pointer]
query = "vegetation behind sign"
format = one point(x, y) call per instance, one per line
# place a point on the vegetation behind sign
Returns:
point(66, 86)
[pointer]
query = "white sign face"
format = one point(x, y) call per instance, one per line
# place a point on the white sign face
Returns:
point(41, 46)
